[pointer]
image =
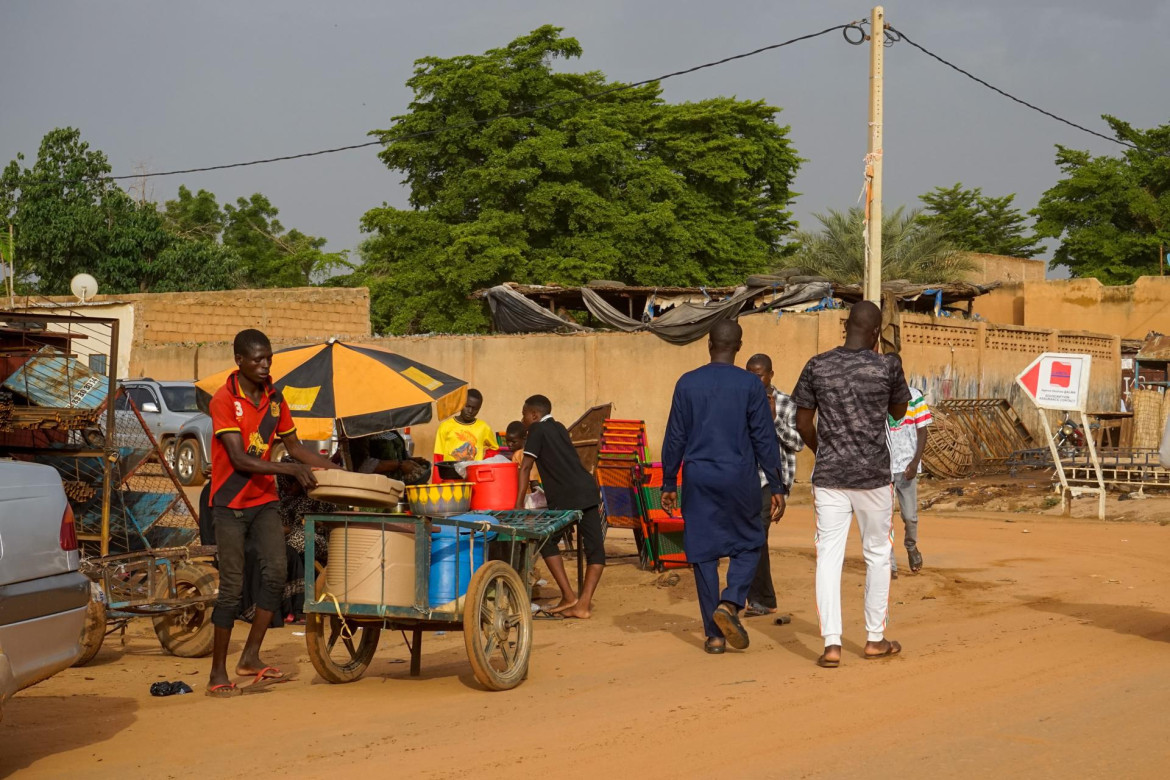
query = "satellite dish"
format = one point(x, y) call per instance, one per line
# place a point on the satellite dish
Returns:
point(83, 286)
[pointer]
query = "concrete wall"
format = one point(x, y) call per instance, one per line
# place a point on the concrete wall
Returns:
point(1002, 268)
point(637, 371)
point(1128, 311)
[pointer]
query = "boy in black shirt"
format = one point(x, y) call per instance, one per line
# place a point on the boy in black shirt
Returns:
point(568, 486)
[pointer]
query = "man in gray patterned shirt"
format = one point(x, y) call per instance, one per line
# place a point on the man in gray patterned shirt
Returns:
point(762, 593)
point(843, 397)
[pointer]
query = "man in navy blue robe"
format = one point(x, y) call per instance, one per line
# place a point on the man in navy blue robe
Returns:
point(721, 433)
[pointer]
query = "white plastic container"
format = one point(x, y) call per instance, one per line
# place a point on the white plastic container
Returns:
point(368, 565)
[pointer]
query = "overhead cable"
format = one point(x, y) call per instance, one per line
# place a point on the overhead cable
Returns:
point(903, 37)
point(488, 120)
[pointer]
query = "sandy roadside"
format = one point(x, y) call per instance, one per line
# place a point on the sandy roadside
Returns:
point(1035, 646)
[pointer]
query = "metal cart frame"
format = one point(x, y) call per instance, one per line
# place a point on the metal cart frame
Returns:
point(494, 615)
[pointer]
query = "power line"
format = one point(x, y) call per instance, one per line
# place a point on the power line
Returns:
point(902, 36)
point(478, 122)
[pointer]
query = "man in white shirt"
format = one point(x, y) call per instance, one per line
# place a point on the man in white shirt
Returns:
point(907, 441)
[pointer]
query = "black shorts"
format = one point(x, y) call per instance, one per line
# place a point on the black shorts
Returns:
point(591, 538)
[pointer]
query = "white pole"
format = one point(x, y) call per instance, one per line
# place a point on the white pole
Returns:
point(873, 265)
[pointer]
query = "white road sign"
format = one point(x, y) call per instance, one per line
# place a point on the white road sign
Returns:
point(1058, 380)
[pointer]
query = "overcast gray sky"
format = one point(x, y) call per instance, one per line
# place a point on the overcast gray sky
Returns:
point(168, 85)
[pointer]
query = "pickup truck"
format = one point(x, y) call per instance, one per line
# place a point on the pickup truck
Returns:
point(43, 597)
point(165, 408)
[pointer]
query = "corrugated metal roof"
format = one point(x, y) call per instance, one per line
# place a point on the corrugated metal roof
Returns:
point(1156, 348)
point(57, 381)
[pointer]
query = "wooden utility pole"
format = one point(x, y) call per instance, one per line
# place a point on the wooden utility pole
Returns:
point(873, 159)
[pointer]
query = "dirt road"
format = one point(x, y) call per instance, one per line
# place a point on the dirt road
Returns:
point(1034, 647)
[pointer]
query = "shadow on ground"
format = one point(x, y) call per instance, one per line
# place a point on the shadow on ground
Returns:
point(36, 727)
point(1122, 618)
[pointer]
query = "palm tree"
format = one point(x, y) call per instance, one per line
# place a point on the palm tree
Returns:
point(912, 249)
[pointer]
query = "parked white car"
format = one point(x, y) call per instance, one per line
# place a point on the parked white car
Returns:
point(43, 597)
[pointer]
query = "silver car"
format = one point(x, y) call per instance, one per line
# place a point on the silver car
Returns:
point(43, 597)
point(165, 408)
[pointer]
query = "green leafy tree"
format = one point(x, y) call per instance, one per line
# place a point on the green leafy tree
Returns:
point(912, 249)
point(979, 223)
point(624, 186)
point(63, 208)
point(269, 256)
point(1111, 214)
point(197, 217)
point(70, 218)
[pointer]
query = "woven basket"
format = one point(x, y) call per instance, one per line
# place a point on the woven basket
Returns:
point(948, 452)
point(1147, 419)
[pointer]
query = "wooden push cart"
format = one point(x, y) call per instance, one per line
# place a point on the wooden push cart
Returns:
point(494, 615)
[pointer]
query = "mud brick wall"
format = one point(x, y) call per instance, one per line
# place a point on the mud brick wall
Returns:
point(949, 358)
point(305, 314)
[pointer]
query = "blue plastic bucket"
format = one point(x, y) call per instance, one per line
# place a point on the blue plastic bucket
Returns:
point(455, 556)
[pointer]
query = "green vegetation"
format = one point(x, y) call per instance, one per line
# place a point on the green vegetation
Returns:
point(1111, 214)
point(912, 249)
point(69, 218)
point(625, 187)
point(979, 223)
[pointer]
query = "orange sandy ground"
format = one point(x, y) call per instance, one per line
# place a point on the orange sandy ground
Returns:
point(1034, 647)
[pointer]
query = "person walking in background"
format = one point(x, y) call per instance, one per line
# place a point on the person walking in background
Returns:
point(465, 436)
point(762, 593)
point(907, 441)
point(842, 399)
point(720, 430)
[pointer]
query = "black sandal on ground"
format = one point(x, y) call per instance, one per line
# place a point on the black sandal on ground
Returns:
point(713, 649)
point(915, 559)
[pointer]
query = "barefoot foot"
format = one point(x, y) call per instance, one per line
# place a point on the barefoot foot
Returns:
point(577, 611)
point(561, 606)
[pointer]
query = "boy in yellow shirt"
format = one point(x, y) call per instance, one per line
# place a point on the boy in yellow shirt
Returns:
point(464, 437)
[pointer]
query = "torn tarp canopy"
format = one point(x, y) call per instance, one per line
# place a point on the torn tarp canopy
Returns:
point(513, 313)
point(797, 294)
point(683, 324)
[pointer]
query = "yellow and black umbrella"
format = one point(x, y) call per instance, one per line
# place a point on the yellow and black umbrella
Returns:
point(365, 389)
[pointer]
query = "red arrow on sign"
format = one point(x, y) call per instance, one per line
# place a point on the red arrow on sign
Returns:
point(1030, 379)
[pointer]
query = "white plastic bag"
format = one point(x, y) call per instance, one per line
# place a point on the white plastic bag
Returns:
point(536, 500)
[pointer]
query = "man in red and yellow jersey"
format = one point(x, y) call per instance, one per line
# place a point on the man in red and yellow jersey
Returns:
point(247, 416)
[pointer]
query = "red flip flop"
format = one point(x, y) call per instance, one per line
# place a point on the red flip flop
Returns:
point(224, 691)
point(263, 678)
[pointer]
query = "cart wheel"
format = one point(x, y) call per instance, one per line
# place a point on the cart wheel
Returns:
point(187, 632)
point(339, 656)
point(93, 633)
point(497, 626)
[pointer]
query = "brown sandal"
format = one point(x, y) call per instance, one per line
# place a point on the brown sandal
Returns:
point(892, 649)
point(829, 663)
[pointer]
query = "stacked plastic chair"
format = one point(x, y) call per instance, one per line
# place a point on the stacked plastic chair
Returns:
point(663, 531)
point(622, 441)
point(631, 494)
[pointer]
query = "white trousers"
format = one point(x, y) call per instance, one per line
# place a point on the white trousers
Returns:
point(875, 515)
